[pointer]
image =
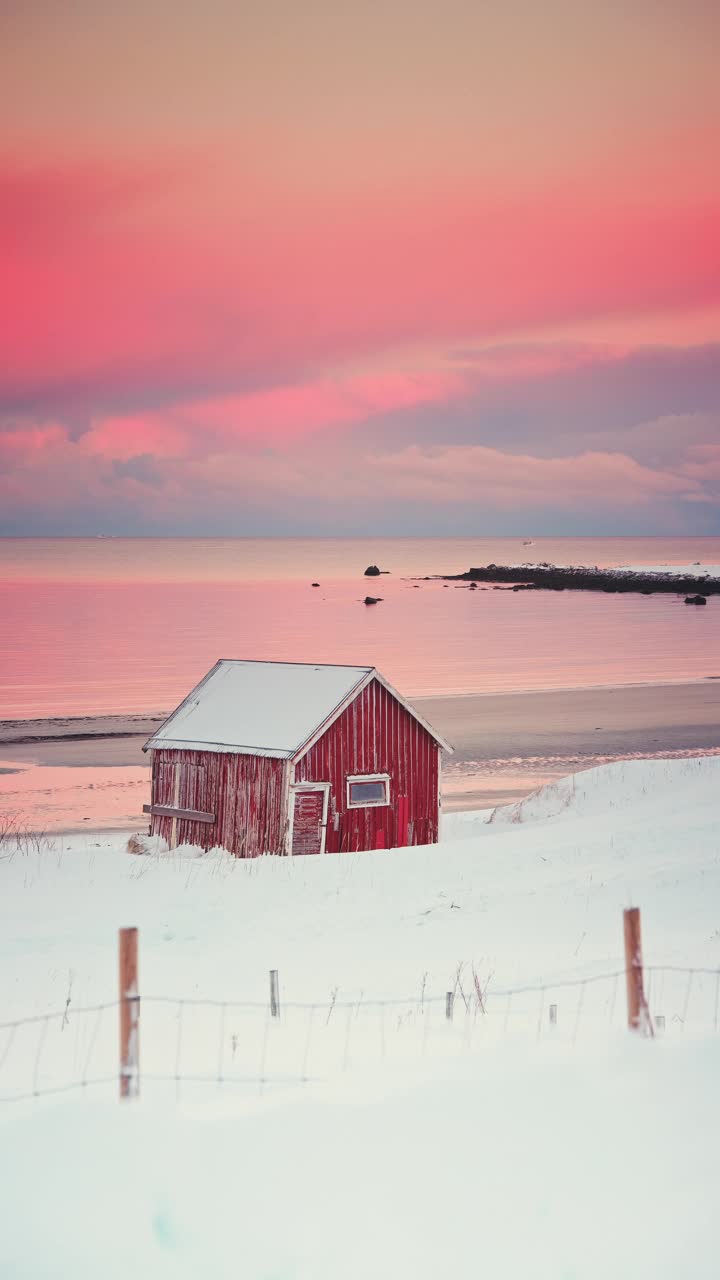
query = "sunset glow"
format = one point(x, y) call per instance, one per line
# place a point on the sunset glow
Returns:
point(283, 268)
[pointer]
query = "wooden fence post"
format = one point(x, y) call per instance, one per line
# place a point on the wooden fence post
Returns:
point(274, 994)
point(638, 1014)
point(449, 1002)
point(129, 1013)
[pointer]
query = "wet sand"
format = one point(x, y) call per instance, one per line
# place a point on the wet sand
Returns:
point(627, 718)
point(618, 721)
point(505, 744)
point(508, 744)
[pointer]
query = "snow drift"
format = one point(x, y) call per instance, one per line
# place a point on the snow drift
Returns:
point(543, 1165)
point(501, 1146)
point(653, 785)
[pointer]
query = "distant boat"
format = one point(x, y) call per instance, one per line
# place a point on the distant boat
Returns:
point(528, 542)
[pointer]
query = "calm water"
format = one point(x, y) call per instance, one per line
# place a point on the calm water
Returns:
point(103, 625)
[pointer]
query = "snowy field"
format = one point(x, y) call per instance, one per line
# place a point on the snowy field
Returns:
point(363, 1133)
point(679, 570)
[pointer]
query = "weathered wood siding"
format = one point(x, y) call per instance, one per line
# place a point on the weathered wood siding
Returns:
point(307, 820)
point(377, 735)
point(246, 793)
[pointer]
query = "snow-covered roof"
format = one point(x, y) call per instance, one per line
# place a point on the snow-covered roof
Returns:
point(264, 708)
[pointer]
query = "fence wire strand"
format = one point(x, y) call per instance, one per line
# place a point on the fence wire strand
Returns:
point(59, 1013)
point(221, 1043)
point(500, 1009)
point(70, 1087)
point(93, 1042)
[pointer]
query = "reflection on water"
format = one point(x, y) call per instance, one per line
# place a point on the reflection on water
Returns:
point(90, 626)
point(57, 798)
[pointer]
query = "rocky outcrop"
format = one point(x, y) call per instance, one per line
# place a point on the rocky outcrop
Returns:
point(550, 577)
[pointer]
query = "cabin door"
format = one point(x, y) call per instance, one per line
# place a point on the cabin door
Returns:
point(310, 807)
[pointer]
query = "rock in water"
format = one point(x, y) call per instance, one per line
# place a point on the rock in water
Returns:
point(695, 600)
point(372, 571)
point(372, 600)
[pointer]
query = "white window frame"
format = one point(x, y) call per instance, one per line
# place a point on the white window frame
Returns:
point(368, 777)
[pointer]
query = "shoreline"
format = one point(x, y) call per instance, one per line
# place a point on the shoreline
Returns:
point(506, 745)
point(14, 730)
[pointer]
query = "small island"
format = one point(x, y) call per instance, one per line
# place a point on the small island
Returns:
point(549, 577)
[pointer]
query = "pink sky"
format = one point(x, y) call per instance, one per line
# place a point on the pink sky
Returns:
point(414, 267)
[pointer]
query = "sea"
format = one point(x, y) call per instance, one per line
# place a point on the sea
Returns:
point(106, 625)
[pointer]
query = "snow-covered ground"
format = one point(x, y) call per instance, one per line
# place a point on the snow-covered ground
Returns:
point(698, 570)
point(494, 1144)
point(588, 1166)
point(678, 570)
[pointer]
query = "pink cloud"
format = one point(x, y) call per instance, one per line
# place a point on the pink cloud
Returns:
point(231, 325)
point(488, 479)
point(282, 414)
point(278, 415)
point(294, 441)
point(338, 476)
point(475, 473)
point(24, 444)
point(113, 285)
point(701, 466)
point(159, 435)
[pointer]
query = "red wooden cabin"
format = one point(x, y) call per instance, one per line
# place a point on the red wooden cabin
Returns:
point(291, 758)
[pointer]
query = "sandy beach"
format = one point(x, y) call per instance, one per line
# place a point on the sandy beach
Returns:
point(507, 744)
point(92, 770)
point(617, 721)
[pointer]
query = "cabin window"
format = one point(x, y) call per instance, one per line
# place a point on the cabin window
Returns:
point(368, 790)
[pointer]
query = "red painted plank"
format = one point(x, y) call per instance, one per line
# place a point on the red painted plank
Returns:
point(246, 793)
point(377, 735)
